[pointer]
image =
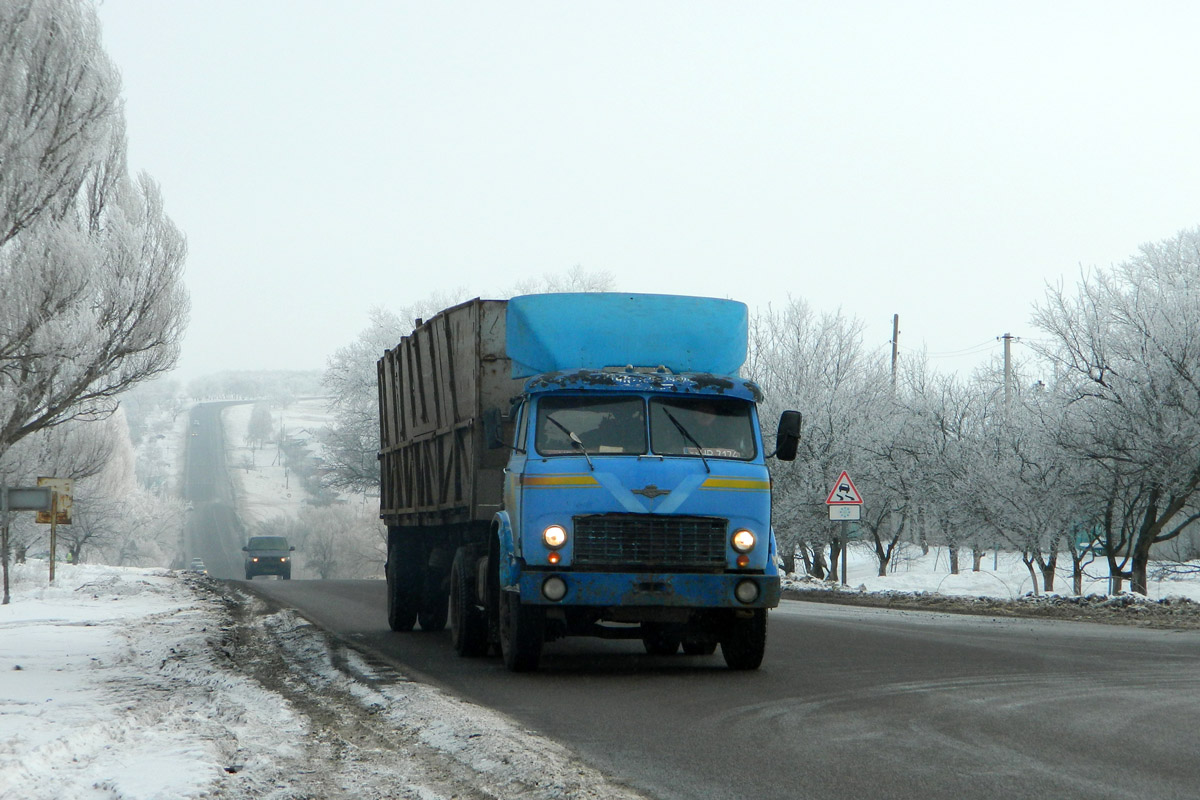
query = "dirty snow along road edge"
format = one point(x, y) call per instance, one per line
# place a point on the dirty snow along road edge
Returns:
point(132, 683)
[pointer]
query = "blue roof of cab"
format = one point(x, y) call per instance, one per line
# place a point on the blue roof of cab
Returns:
point(556, 333)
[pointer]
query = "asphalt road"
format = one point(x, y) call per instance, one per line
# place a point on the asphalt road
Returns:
point(213, 531)
point(849, 703)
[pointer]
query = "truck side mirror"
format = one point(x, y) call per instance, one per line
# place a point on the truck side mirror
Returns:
point(787, 436)
point(493, 429)
point(246, 549)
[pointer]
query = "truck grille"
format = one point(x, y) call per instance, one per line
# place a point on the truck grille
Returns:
point(649, 540)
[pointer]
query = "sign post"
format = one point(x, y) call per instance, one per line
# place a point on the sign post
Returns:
point(845, 504)
point(59, 513)
point(17, 499)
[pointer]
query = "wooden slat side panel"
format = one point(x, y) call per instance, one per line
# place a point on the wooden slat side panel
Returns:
point(436, 467)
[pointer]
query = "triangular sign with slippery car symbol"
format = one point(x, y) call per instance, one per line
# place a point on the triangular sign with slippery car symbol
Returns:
point(843, 492)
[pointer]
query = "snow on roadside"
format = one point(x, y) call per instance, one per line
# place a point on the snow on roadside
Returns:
point(111, 688)
point(122, 684)
point(1002, 576)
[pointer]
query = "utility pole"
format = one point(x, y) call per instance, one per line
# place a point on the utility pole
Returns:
point(1008, 338)
point(895, 347)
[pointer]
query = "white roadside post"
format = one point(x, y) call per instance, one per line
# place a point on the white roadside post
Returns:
point(845, 505)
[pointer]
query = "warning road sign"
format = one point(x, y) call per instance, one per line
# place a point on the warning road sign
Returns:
point(843, 492)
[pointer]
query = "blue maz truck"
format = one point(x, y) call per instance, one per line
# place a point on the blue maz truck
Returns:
point(579, 465)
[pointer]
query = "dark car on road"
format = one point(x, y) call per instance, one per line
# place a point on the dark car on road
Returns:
point(268, 555)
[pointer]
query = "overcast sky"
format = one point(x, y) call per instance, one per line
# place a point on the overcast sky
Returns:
point(937, 160)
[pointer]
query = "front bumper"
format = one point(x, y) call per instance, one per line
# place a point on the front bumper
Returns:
point(269, 566)
point(674, 590)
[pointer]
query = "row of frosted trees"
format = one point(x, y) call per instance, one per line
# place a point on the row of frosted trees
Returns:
point(92, 300)
point(1089, 449)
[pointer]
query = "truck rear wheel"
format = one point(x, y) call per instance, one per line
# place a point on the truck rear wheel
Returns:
point(745, 640)
point(435, 605)
point(468, 625)
point(520, 633)
point(403, 581)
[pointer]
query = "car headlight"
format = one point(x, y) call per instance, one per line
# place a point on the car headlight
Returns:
point(555, 536)
point(743, 541)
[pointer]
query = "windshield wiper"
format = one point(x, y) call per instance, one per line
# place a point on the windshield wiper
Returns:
point(575, 440)
point(679, 426)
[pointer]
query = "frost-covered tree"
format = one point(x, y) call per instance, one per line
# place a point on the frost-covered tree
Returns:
point(59, 100)
point(1027, 489)
point(91, 294)
point(1126, 349)
point(334, 541)
point(260, 427)
point(114, 520)
point(351, 440)
point(945, 423)
point(818, 365)
point(888, 468)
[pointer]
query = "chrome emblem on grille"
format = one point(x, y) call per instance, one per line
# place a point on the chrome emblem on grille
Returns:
point(651, 492)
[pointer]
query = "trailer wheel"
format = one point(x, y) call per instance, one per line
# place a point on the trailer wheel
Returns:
point(468, 625)
point(435, 601)
point(745, 640)
point(520, 633)
point(403, 581)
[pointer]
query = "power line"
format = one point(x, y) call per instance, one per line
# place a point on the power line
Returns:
point(966, 351)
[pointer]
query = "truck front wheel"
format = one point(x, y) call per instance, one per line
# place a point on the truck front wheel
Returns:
point(521, 633)
point(468, 625)
point(745, 640)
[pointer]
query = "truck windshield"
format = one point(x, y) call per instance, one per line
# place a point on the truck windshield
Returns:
point(268, 543)
point(715, 427)
point(605, 425)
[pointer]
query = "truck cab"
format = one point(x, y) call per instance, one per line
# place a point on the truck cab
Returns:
point(638, 505)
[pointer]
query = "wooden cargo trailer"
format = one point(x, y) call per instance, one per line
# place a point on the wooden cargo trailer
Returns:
point(444, 394)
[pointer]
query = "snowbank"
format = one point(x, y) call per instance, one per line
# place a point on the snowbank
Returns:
point(122, 684)
point(111, 689)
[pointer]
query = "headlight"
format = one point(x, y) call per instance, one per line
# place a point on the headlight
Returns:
point(554, 536)
point(743, 541)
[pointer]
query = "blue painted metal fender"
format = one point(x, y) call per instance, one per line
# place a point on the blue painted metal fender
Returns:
point(510, 563)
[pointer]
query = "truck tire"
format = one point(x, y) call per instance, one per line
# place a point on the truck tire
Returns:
point(435, 601)
point(659, 641)
point(520, 633)
point(745, 640)
point(468, 624)
point(403, 581)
